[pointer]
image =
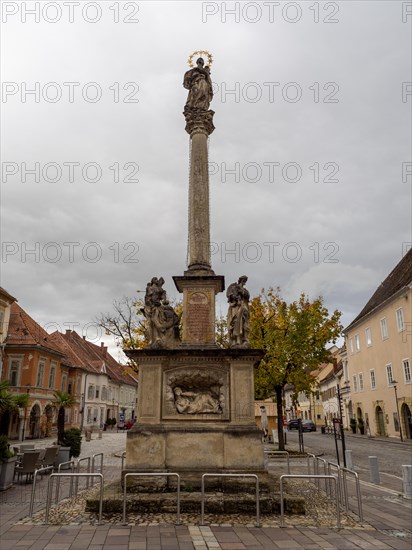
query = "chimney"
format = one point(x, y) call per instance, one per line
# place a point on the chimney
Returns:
point(103, 349)
point(68, 331)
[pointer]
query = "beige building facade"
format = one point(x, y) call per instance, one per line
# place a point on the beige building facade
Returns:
point(379, 355)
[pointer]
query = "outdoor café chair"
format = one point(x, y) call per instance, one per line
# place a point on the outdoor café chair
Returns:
point(27, 465)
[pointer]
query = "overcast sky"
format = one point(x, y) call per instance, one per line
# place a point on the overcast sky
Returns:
point(309, 160)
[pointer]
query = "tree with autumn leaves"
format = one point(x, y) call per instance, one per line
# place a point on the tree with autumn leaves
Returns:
point(294, 337)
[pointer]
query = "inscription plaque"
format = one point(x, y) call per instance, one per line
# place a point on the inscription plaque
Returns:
point(198, 316)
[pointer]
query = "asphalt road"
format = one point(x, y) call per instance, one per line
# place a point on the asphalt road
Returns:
point(391, 455)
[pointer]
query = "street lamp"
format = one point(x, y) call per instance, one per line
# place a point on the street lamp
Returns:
point(394, 382)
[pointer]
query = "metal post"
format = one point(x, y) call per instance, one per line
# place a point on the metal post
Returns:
point(336, 442)
point(374, 469)
point(349, 460)
point(341, 426)
point(407, 481)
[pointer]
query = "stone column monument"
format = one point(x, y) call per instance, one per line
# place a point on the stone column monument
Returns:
point(196, 401)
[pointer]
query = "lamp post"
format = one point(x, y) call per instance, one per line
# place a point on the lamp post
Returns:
point(394, 382)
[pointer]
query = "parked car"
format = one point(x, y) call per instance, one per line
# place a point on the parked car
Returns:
point(293, 424)
point(128, 424)
point(308, 426)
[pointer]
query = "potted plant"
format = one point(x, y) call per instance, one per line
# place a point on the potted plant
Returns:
point(353, 425)
point(73, 439)
point(62, 401)
point(7, 464)
point(361, 425)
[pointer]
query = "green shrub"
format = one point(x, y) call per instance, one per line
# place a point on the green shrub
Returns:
point(73, 439)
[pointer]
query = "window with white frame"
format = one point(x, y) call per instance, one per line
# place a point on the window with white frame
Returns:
point(357, 342)
point(351, 344)
point(78, 385)
point(64, 382)
point(89, 415)
point(389, 374)
point(368, 337)
point(52, 375)
point(407, 371)
point(361, 381)
point(373, 379)
point(41, 366)
point(355, 383)
point(384, 328)
point(399, 320)
point(97, 392)
point(104, 393)
point(67, 415)
point(90, 392)
point(76, 416)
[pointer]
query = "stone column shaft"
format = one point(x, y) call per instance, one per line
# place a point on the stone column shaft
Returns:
point(199, 223)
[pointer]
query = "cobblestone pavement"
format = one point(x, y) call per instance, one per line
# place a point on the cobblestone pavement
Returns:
point(387, 520)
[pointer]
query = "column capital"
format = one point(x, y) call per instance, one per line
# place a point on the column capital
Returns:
point(199, 122)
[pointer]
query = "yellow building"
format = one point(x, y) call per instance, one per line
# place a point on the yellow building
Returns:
point(379, 353)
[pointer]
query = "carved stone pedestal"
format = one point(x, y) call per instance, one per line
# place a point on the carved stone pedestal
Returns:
point(196, 412)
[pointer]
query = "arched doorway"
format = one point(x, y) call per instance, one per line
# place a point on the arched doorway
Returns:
point(406, 420)
point(34, 422)
point(359, 413)
point(380, 421)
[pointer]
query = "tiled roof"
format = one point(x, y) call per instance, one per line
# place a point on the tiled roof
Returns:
point(400, 277)
point(24, 331)
point(94, 358)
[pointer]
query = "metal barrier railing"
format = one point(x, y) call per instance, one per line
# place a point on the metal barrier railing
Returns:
point(290, 476)
point(93, 464)
point(279, 453)
point(251, 476)
point(33, 489)
point(311, 457)
point(151, 474)
point(72, 476)
point(342, 489)
point(358, 491)
point(72, 464)
point(325, 472)
point(84, 459)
